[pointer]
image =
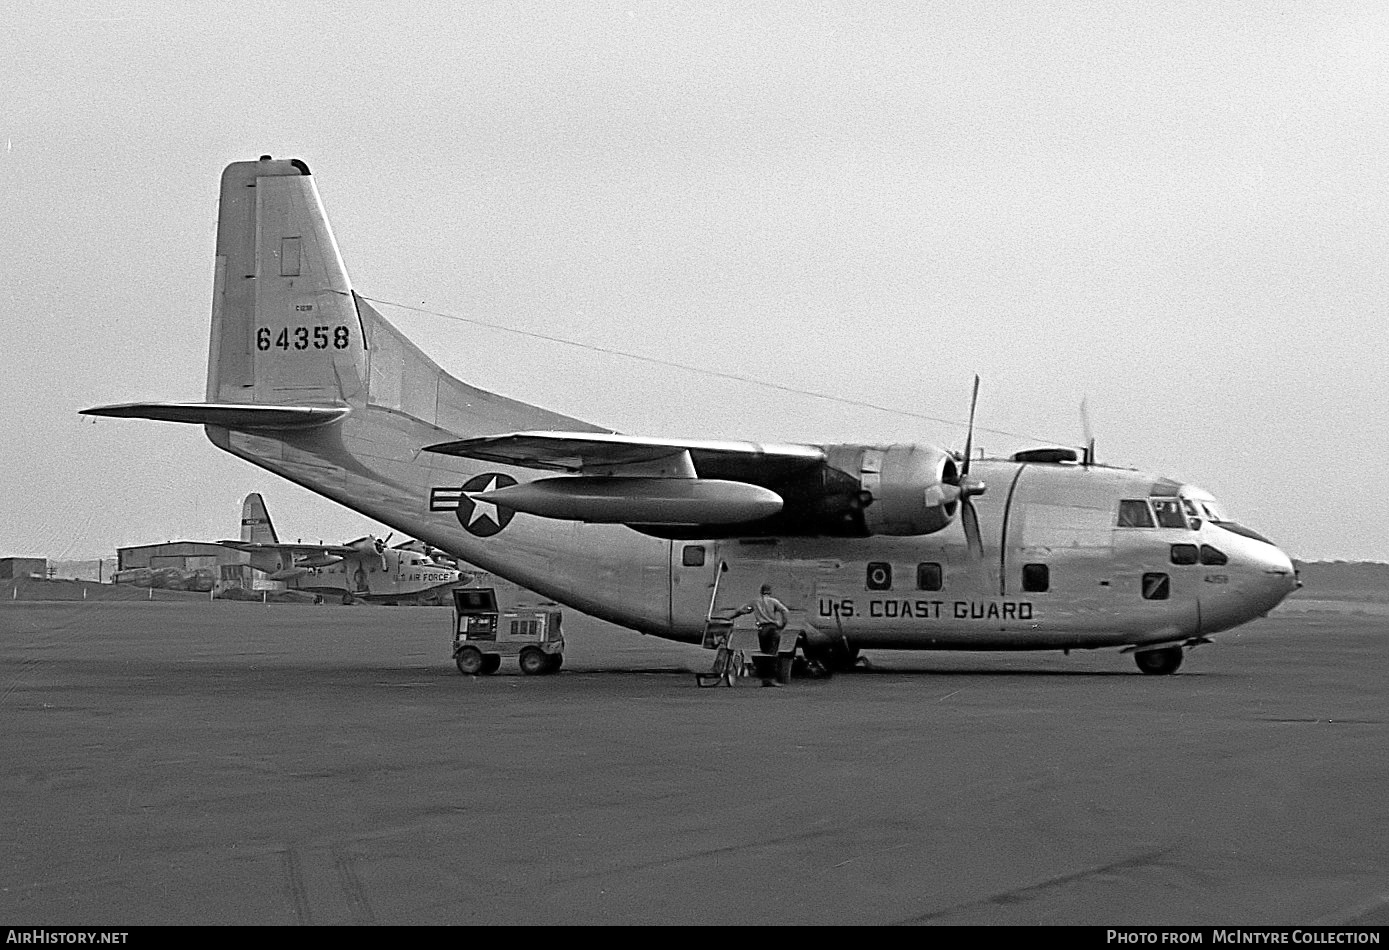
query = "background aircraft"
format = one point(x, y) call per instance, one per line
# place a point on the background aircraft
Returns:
point(662, 535)
point(364, 569)
point(167, 578)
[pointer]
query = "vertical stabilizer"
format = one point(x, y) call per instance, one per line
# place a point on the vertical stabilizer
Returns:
point(255, 521)
point(285, 326)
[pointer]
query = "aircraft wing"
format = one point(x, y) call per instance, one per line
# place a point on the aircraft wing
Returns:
point(638, 480)
point(577, 452)
point(295, 549)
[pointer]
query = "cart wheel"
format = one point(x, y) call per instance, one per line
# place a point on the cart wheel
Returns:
point(533, 661)
point(556, 661)
point(491, 663)
point(470, 661)
point(733, 667)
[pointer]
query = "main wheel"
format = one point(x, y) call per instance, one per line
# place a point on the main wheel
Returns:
point(491, 663)
point(470, 661)
point(835, 658)
point(1159, 662)
point(533, 661)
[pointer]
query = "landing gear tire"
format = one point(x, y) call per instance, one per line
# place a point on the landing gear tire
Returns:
point(837, 658)
point(1159, 662)
point(491, 663)
point(347, 599)
point(533, 661)
point(470, 661)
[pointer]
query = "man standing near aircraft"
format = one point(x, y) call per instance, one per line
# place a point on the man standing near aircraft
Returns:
point(771, 618)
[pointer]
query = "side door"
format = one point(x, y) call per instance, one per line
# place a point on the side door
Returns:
point(695, 578)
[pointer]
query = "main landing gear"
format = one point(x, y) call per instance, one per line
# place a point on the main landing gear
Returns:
point(836, 658)
point(1159, 662)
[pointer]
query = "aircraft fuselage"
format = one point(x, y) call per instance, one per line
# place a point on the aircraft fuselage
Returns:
point(1058, 571)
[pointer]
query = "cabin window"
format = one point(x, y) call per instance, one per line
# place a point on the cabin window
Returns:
point(1157, 586)
point(1169, 512)
point(1213, 556)
point(1036, 578)
point(693, 555)
point(1184, 554)
point(929, 576)
point(1134, 513)
point(879, 575)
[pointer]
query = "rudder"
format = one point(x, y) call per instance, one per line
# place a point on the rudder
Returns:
point(285, 325)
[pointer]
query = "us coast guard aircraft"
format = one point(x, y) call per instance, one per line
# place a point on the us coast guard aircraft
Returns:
point(881, 546)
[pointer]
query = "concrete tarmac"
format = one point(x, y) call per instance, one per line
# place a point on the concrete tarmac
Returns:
point(235, 763)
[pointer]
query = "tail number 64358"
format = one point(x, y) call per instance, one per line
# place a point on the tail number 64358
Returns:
point(302, 338)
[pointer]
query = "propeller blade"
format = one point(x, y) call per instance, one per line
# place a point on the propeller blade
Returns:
point(969, 436)
point(969, 519)
point(1088, 432)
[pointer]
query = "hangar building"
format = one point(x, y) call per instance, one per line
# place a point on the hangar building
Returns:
point(13, 567)
point(231, 567)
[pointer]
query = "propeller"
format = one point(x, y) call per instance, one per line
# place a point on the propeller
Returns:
point(966, 487)
point(1087, 432)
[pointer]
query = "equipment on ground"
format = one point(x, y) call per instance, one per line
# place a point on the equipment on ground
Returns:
point(740, 653)
point(482, 634)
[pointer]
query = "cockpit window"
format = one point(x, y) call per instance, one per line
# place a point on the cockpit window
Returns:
point(1169, 512)
point(1193, 516)
point(1213, 556)
point(1184, 554)
point(1134, 513)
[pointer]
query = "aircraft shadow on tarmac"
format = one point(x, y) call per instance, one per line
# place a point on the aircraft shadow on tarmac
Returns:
point(268, 674)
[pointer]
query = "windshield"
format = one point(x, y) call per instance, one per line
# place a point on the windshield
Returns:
point(1169, 512)
point(1214, 511)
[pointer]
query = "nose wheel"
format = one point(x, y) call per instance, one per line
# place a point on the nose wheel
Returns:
point(1159, 662)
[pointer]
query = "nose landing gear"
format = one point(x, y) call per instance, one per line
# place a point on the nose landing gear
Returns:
point(1159, 662)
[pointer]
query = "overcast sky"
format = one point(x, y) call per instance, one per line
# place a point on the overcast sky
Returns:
point(1176, 211)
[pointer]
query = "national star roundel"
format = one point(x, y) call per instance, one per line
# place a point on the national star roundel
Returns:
point(482, 518)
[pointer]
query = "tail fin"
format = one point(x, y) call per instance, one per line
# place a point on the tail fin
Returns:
point(294, 348)
point(285, 325)
point(255, 521)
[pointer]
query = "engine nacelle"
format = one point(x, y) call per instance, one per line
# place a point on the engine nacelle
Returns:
point(906, 489)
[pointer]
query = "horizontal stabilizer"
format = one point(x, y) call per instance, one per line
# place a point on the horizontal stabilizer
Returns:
point(228, 415)
point(647, 501)
point(586, 451)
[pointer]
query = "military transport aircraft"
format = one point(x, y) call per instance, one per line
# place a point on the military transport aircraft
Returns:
point(364, 569)
point(881, 546)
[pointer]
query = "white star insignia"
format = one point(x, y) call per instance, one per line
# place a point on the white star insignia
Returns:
point(478, 506)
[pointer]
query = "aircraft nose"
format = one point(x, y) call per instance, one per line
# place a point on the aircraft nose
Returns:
point(1279, 575)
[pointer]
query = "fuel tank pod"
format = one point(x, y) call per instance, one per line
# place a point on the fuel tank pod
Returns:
point(646, 501)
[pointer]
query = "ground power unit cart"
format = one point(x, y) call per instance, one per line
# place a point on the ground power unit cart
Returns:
point(482, 634)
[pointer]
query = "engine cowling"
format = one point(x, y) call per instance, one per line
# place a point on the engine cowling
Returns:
point(905, 489)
